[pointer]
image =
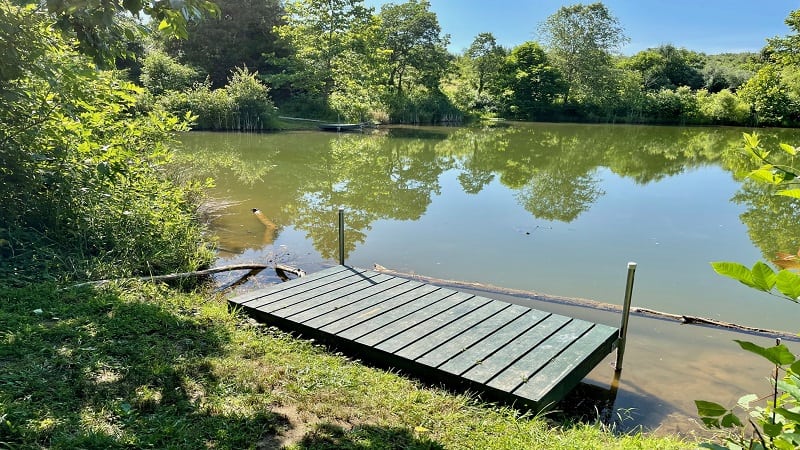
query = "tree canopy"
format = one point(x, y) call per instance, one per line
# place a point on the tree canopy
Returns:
point(341, 60)
point(581, 39)
point(411, 34)
point(241, 35)
point(667, 67)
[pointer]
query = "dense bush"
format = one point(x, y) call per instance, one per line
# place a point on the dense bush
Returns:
point(768, 95)
point(723, 107)
point(161, 73)
point(81, 180)
point(242, 105)
point(422, 107)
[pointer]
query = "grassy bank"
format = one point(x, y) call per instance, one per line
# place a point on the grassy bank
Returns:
point(146, 367)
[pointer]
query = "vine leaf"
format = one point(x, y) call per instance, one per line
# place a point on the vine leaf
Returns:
point(736, 271)
point(745, 401)
point(729, 420)
point(794, 193)
point(710, 409)
point(778, 355)
point(793, 416)
point(764, 174)
point(763, 276)
point(790, 387)
point(789, 149)
point(788, 283)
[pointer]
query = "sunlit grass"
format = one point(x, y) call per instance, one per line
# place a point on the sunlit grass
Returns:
point(147, 367)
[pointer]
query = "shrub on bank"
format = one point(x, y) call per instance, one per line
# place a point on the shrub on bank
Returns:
point(81, 171)
point(242, 105)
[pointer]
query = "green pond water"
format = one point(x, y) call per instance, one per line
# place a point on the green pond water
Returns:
point(553, 208)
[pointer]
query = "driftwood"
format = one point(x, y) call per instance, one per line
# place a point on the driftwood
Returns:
point(253, 269)
point(694, 320)
point(586, 303)
point(282, 271)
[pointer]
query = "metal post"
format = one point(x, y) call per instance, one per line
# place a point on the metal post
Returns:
point(341, 236)
point(626, 312)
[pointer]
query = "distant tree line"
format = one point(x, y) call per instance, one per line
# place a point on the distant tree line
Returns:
point(338, 59)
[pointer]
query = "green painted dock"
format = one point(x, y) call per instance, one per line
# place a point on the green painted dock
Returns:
point(510, 352)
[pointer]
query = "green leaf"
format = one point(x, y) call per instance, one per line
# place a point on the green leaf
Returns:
point(793, 437)
point(796, 367)
point(772, 430)
point(794, 193)
point(789, 149)
point(713, 446)
point(710, 422)
point(781, 443)
point(709, 409)
point(788, 283)
point(790, 387)
point(792, 416)
point(745, 400)
point(751, 140)
point(730, 420)
point(764, 174)
point(778, 355)
point(763, 276)
point(734, 270)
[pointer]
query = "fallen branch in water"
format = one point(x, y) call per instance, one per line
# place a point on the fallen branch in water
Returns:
point(282, 270)
point(694, 320)
point(587, 303)
point(252, 268)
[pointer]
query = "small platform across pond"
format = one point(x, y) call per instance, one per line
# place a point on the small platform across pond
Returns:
point(511, 352)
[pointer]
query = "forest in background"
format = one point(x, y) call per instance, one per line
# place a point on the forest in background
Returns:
point(340, 60)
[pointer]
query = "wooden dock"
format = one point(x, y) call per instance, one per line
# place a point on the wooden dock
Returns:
point(510, 352)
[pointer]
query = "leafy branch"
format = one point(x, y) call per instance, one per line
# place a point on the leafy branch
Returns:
point(776, 425)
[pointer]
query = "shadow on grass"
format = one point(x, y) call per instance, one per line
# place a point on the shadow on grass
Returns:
point(112, 369)
point(330, 436)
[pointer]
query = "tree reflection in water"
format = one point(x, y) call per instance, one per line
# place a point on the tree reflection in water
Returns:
point(555, 173)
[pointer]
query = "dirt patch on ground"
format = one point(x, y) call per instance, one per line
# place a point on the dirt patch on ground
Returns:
point(295, 426)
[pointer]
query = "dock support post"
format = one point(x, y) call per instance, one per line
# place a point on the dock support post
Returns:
point(626, 312)
point(341, 236)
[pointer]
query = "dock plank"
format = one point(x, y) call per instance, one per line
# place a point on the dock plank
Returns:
point(484, 348)
point(374, 301)
point(517, 353)
point(432, 295)
point(243, 299)
point(394, 304)
point(460, 344)
point(537, 357)
point(545, 380)
point(328, 286)
point(374, 338)
point(304, 313)
point(421, 329)
point(444, 334)
point(488, 368)
point(339, 293)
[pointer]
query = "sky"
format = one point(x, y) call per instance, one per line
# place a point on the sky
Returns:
point(708, 26)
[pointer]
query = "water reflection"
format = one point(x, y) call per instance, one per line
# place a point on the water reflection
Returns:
point(553, 170)
point(773, 221)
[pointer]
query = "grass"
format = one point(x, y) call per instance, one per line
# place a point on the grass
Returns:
point(143, 366)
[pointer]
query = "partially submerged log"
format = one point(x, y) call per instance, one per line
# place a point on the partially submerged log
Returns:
point(283, 270)
point(694, 320)
point(252, 269)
